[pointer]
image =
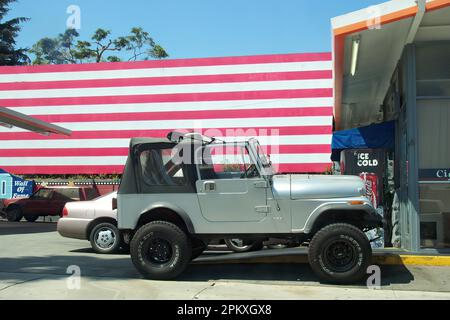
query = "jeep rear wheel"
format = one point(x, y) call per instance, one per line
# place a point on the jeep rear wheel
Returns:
point(340, 253)
point(160, 250)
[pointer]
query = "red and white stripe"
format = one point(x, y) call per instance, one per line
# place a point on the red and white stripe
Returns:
point(284, 100)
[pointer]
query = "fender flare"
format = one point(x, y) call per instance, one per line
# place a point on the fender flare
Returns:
point(166, 205)
point(344, 206)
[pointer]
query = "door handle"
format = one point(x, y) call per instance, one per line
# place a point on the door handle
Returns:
point(209, 186)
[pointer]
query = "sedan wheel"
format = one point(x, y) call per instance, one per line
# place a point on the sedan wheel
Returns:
point(105, 238)
point(239, 245)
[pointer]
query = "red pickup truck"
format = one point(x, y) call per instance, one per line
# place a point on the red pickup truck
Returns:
point(46, 202)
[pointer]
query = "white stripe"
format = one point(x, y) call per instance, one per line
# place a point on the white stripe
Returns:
point(197, 123)
point(120, 160)
point(168, 72)
point(124, 143)
point(177, 106)
point(168, 89)
point(277, 158)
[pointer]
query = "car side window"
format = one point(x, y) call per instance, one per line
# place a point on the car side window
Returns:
point(226, 162)
point(67, 194)
point(91, 193)
point(43, 194)
point(159, 169)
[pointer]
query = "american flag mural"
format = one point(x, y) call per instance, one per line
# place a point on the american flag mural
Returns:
point(285, 100)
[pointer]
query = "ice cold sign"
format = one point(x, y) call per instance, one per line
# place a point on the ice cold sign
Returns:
point(364, 160)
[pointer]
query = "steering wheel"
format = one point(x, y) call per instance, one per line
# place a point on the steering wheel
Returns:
point(250, 172)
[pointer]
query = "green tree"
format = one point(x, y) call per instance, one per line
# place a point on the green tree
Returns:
point(67, 48)
point(9, 30)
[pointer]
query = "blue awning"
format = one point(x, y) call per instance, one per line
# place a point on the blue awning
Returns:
point(375, 136)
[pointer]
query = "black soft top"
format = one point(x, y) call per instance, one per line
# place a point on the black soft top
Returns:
point(130, 184)
point(138, 141)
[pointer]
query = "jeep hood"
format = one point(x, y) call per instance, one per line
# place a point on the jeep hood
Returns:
point(298, 186)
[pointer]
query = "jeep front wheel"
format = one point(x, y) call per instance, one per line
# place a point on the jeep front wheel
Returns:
point(340, 253)
point(160, 250)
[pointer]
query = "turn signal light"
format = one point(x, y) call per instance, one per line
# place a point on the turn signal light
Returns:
point(65, 212)
point(356, 203)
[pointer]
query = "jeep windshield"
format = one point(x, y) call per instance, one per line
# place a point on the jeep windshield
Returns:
point(262, 158)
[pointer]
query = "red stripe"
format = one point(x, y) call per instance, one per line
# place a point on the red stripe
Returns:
point(275, 58)
point(175, 97)
point(70, 152)
point(64, 169)
point(185, 115)
point(303, 167)
point(150, 81)
point(127, 134)
point(116, 169)
point(288, 149)
point(103, 152)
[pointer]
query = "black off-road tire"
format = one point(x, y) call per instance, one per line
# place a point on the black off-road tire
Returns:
point(105, 226)
point(31, 218)
point(338, 238)
point(254, 246)
point(14, 214)
point(173, 238)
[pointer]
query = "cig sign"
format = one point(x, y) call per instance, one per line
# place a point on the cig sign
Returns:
point(443, 174)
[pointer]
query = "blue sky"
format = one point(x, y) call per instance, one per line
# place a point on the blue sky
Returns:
point(198, 28)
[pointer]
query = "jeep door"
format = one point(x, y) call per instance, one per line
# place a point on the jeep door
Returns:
point(230, 188)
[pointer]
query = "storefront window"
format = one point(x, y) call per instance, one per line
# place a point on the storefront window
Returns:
point(434, 215)
point(433, 70)
point(434, 172)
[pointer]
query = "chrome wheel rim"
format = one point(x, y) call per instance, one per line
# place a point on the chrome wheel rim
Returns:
point(105, 238)
point(239, 243)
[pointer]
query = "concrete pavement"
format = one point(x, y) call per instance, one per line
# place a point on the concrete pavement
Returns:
point(34, 260)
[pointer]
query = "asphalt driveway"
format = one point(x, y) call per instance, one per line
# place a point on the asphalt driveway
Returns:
point(37, 263)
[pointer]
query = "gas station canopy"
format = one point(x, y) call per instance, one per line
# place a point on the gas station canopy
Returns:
point(10, 118)
point(367, 46)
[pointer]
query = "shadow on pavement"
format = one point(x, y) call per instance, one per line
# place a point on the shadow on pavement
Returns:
point(90, 250)
point(8, 228)
point(281, 272)
point(120, 266)
point(92, 266)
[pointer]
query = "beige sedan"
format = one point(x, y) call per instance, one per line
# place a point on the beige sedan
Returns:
point(95, 221)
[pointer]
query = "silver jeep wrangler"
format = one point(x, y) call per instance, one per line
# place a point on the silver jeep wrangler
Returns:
point(180, 193)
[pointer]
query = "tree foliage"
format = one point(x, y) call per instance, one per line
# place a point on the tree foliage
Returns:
point(68, 48)
point(9, 30)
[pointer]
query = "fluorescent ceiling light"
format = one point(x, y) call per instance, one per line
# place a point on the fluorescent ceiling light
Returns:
point(355, 52)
